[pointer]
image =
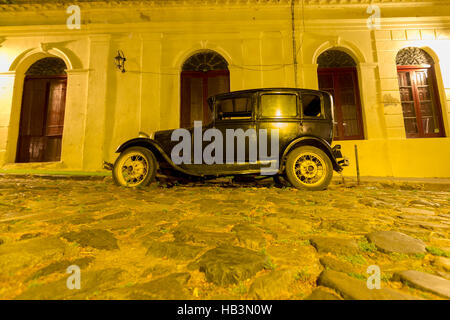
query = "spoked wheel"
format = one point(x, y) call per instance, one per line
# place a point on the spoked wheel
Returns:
point(309, 168)
point(134, 167)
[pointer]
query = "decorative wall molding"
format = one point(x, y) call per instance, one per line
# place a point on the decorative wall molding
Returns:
point(8, 74)
point(22, 5)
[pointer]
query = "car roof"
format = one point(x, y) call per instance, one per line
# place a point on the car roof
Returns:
point(252, 91)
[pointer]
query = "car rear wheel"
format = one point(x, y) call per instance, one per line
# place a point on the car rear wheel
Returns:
point(134, 167)
point(309, 168)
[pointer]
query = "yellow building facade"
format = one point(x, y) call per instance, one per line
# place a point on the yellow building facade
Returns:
point(398, 53)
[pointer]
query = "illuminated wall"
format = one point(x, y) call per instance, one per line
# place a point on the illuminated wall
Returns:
point(105, 107)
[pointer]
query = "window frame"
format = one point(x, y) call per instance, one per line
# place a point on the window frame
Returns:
point(297, 102)
point(435, 99)
point(322, 106)
point(252, 104)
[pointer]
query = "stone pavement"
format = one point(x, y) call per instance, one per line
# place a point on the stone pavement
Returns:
point(222, 241)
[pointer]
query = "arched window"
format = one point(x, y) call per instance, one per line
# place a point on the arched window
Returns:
point(204, 74)
point(42, 112)
point(337, 74)
point(419, 95)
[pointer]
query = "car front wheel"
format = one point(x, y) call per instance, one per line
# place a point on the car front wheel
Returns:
point(134, 167)
point(309, 168)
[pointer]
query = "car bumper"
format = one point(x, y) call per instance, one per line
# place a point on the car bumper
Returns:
point(344, 162)
point(340, 159)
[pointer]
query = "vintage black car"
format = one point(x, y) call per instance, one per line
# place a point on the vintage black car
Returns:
point(284, 132)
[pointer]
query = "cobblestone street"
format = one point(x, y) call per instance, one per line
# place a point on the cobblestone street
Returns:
point(222, 241)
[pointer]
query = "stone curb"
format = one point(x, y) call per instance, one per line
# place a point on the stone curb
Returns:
point(53, 176)
point(427, 184)
point(398, 183)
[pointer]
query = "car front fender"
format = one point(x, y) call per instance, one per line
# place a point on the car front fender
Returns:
point(139, 142)
point(153, 146)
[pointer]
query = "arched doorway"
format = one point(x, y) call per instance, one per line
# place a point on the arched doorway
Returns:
point(337, 74)
point(204, 74)
point(42, 112)
point(419, 95)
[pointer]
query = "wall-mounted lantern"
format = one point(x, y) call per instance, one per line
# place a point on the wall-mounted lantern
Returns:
point(120, 61)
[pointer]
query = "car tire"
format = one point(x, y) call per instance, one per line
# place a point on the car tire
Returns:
point(135, 167)
point(309, 168)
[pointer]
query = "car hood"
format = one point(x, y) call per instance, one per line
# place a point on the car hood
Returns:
point(163, 135)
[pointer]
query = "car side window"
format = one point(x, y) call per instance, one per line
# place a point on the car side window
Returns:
point(278, 105)
point(234, 108)
point(312, 105)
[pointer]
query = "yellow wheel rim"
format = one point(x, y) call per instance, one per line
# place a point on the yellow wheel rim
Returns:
point(132, 169)
point(310, 169)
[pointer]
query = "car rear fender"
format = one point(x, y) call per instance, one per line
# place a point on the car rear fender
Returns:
point(315, 142)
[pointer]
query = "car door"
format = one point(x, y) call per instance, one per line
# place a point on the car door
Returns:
point(278, 123)
point(235, 119)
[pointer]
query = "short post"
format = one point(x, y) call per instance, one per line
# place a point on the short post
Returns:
point(342, 179)
point(357, 165)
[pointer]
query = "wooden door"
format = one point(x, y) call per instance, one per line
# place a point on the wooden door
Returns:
point(196, 87)
point(420, 102)
point(342, 83)
point(42, 119)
